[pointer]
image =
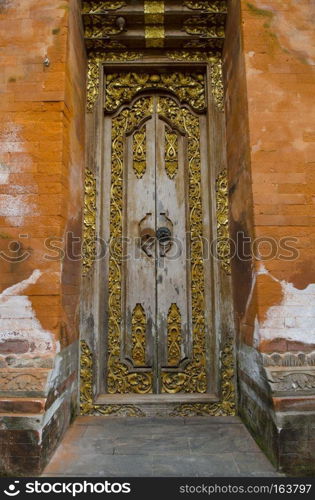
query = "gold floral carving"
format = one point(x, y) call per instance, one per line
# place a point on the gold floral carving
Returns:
point(215, 6)
point(93, 75)
point(87, 407)
point(98, 26)
point(171, 153)
point(193, 379)
point(118, 378)
point(174, 336)
point(188, 87)
point(217, 84)
point(208, 27)
point(139, 152)
point(138, 327)
point(215, 61)
point(101, 6)
point(194, 56)
point(222, 206)
point(226, 406)
point(89, 221)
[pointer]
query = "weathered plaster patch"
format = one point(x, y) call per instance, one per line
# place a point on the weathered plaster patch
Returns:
point(4, 173)
point(18, 321)
point(294, 26)
point(13, 207)
point(295, 313)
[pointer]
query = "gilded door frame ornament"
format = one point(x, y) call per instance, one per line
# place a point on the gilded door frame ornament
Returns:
point(227, 404)
point(215, 61)
point(189, 87)
point(87, 407)
point(96, 59)
point(222, 211)
point(89, 221)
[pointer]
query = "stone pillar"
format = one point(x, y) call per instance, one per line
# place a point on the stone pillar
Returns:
point(42, 103)
point(269, 75)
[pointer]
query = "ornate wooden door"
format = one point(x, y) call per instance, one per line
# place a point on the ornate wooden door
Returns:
point(158, 335)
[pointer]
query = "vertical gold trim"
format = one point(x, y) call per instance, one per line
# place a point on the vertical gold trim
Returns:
point(154, 31)
point(138, 327)
point(87, 407)
point(223, 237)
point(227, 405)
point(89, 221)
point(171, 153)
point(174, 336)
point(139, 151)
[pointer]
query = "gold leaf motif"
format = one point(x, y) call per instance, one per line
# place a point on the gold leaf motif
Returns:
point(219, 6)
point(122, 87)
point(211, 26)
point(193, 379)
point(138, 326)
point(217, 84)
point(119, 379)
point(194, 56)
point(227, 405)
point(87, 407)
point(93, 74)
point(174, 336)
point(215, 61)
point(98, 26)
point(101, 6)
point(222, 206)
point(171, 153)
point(139, 153)
point(89, 221)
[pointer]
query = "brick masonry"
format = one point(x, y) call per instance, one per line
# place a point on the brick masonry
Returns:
point(42, 111)
point(269, 77)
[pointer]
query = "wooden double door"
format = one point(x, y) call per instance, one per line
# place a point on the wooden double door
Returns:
point(158, 335)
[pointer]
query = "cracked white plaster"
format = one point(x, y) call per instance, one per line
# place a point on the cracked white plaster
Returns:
point(13, 207)
point(18, 319)
point(293, 319)
point(4, 174)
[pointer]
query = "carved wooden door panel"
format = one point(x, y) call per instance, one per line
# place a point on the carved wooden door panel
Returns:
point(157, 326)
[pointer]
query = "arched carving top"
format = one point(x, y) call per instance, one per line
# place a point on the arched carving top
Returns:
point(188, 87)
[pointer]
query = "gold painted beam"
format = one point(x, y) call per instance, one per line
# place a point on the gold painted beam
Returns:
point(154, 23)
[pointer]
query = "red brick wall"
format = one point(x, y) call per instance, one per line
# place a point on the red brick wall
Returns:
point(41, 165)
point(270, 76)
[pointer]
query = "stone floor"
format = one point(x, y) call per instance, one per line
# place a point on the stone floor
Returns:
point(160, 447)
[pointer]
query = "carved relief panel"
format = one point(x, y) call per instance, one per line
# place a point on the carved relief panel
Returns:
point(158, 318)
